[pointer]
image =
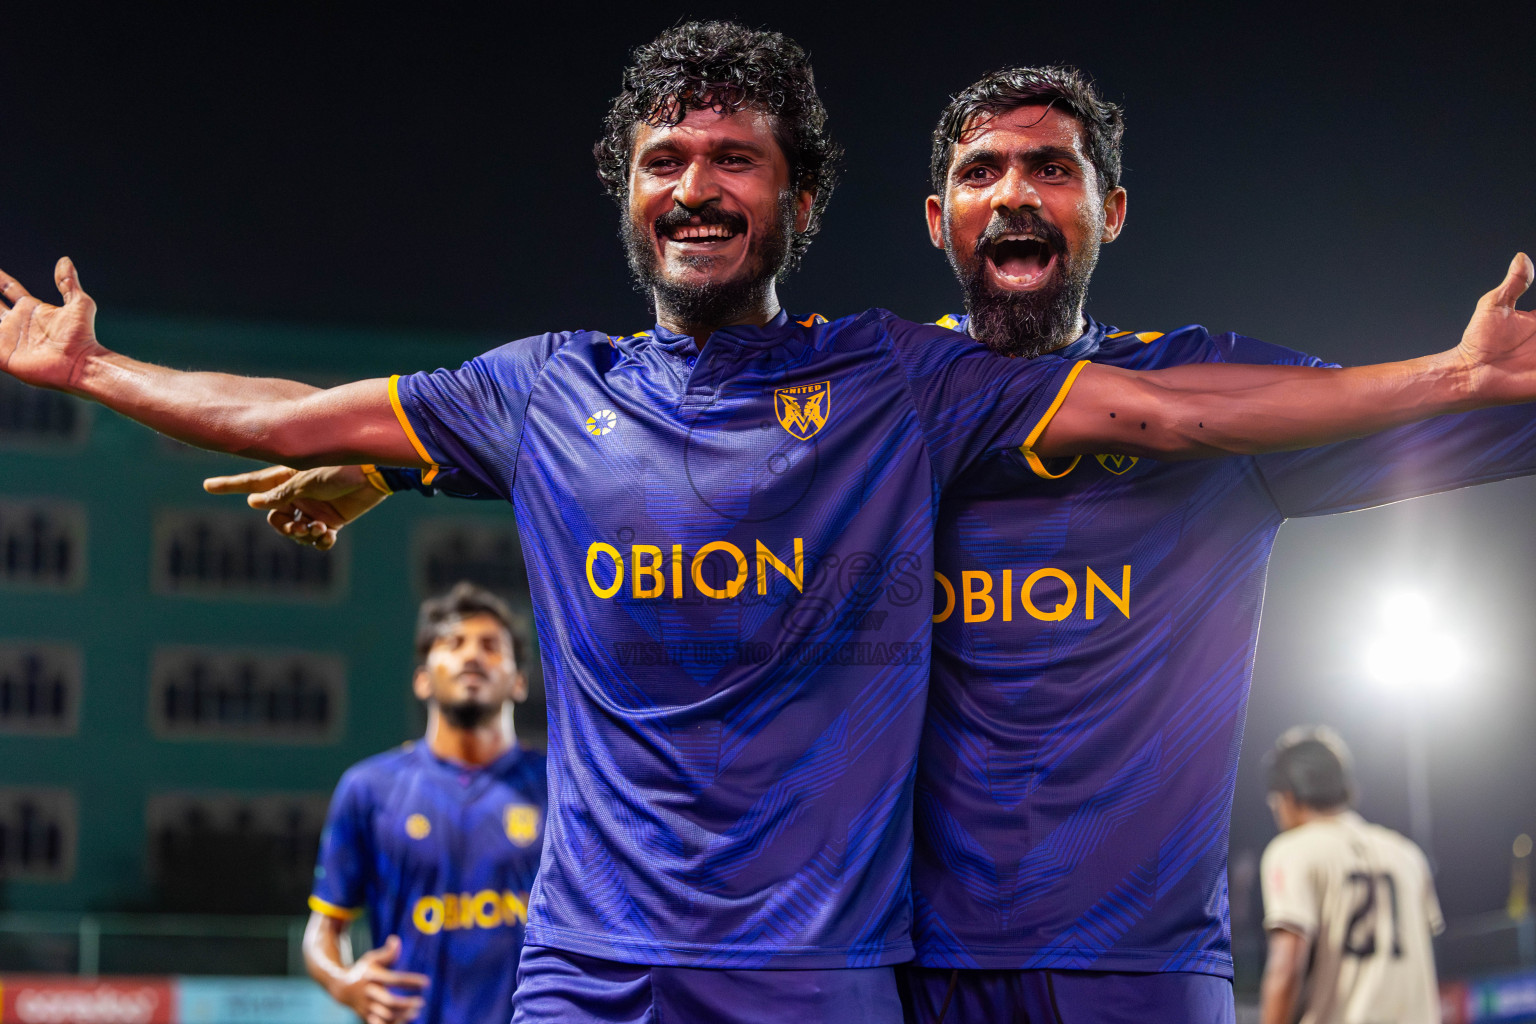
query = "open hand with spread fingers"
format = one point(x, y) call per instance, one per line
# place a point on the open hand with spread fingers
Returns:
point(42, 344)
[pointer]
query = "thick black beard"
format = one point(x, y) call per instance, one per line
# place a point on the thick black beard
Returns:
point(711, 304)
point(468, 715)
point(1025, 324)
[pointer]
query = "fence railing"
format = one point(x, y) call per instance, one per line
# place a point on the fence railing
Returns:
point(93, 944)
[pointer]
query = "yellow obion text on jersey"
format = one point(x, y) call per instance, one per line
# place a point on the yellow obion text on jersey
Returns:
point(464, 910)
point(649, 569)
point(985, 595)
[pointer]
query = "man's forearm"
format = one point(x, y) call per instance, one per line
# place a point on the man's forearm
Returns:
point(322, 953)
point(1278, 992)
point(1284, 967)
point(264, 418)
point(219, 411)
point(1277, 997)
point(1205, 410)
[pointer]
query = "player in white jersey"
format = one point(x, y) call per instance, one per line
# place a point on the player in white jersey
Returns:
point(1350, 907)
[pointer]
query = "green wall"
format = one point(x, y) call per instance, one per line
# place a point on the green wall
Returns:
point(123, 475)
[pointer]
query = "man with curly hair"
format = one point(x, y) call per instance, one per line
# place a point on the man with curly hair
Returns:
point(728, 520)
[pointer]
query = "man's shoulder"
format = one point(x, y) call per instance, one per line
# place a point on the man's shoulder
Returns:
point(368, 776)
point(540, 347)
point(1394, 841)
point(1308, 841)
point(528, 770)
point(1148, 348)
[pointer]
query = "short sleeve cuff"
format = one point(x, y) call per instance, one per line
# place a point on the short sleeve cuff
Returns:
point(410, 431)
point(1287, 924)
point(1050, 413)
point(329, 909)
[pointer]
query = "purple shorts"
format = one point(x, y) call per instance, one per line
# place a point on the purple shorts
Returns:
point(558, 987)
point(941, 995)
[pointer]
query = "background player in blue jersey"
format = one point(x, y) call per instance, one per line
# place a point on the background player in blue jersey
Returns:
point(439, 840)
point(1095, 636)
point(711, 511)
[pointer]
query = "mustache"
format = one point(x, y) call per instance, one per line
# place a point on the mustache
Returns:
point(682, 216)
point(1007, 222)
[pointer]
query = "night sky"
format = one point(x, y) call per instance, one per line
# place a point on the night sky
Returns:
point(1345, 184)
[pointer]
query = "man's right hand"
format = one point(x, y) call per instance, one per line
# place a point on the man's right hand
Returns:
point(42, 344)
point(365, 987)
point(310, 506)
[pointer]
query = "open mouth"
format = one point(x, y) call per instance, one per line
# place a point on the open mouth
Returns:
point(699, 236)
point(1020, 260)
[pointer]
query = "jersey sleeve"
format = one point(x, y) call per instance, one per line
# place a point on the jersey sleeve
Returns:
point(341, 883)
point(1432, 912)
point(1405, 462)
point(971, 402)
point(450, 481)
point(471, 419)
point(1286, 879)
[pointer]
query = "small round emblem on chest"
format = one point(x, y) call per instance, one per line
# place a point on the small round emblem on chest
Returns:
point(417, 826)
point(602, 422)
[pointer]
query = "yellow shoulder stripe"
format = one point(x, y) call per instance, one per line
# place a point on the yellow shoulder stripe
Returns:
point(1146, 336)
point(410, 432)
point(320, 906)
point(1117, 334)
point(1045, 421)
point(947, 320)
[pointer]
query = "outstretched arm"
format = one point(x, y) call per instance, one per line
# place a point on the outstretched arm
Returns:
point(1220, 409)
point(262, 418)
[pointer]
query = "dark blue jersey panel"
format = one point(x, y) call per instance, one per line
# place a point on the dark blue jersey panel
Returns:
point(444, 857)
point(1092, 670)
point(730, 557)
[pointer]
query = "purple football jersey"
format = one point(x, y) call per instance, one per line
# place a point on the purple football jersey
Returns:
point(1095, 624)
point(729, 551)
point(444, 857)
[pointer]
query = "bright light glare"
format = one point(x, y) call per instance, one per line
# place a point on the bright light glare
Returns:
point(1412, 649)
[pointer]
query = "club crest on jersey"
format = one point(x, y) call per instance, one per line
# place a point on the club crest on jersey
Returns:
point(1117, 464)
point(521, 822)
point(803, 410)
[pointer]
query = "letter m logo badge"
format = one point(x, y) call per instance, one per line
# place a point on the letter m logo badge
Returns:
point(804, 409)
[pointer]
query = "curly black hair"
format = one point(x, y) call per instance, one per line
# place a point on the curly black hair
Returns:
point(726, 67)
point(1065, 88)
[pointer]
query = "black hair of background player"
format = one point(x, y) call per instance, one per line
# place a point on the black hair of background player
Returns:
point(464, 601)
point(1312, 764)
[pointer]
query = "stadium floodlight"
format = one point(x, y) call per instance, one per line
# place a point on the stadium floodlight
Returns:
point(1413, 653)
point(1412, 649)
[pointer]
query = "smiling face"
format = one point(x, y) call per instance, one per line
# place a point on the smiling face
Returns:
point(470, 671)
point(1022, 219)
point(710, 215)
